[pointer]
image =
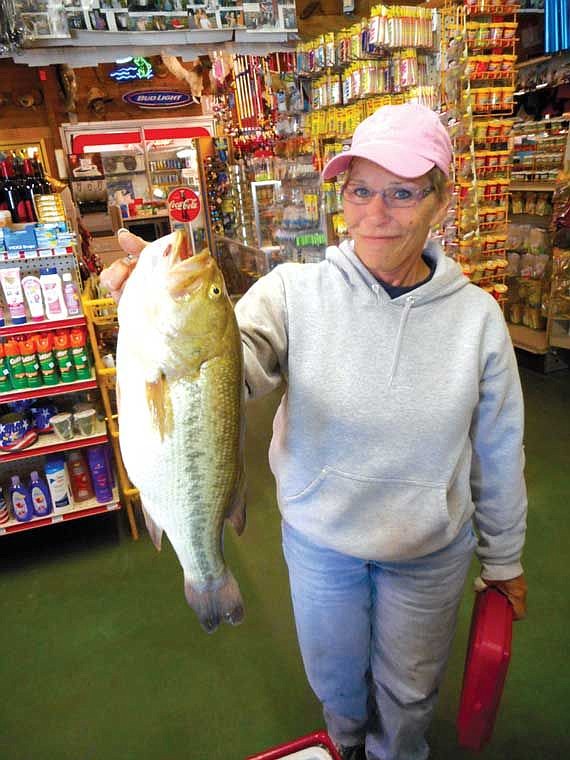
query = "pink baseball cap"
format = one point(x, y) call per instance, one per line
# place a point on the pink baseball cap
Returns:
point(407, 140)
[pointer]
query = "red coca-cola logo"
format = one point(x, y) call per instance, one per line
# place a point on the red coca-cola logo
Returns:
point(183, 204)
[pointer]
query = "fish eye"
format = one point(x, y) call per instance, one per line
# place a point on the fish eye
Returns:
point(215, 291)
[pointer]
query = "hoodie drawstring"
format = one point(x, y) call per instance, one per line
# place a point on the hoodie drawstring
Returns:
point(410, 300)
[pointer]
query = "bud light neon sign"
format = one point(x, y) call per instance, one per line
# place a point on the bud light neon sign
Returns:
point(158, 98)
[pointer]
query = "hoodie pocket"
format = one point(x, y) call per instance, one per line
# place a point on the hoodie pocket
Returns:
point(377, 518)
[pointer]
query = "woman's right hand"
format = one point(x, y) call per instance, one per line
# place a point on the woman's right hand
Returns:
point(115, 277)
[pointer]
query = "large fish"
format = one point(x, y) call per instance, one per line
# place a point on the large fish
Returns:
point(181, 420)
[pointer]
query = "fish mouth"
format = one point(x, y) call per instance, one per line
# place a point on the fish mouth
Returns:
point(186, 272)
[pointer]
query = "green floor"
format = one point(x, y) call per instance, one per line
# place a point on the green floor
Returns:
point(102, 660)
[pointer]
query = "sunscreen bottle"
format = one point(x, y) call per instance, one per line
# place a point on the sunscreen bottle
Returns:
point(53, 293)
point(33, 291)
point(71, 295)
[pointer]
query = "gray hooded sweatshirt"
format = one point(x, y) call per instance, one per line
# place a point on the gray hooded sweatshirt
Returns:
point(402, 418)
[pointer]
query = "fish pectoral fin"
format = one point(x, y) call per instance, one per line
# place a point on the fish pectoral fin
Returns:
point(160, 405)
point(236, 513)
point(217, 602)
point(154, 531)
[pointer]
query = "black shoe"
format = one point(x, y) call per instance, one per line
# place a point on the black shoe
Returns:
point(353, 753)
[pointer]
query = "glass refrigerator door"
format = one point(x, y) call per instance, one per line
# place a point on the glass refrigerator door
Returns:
point(126, 175)
point(177, 163)
point(267, 211)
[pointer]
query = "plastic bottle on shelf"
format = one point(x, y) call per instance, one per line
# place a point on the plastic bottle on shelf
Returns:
point(71, 295)
point(13, 294)
point(39, 495)
point(4, 511)
point(15, 365)
point(63, 356)
point(46, 357)
point(100, 474)
point(79, 477)
point(79, 355)
point(5, 381)
point(20, 500)
point(33, 291)
point(31, 363)
point(53, 293)
point(58, 482)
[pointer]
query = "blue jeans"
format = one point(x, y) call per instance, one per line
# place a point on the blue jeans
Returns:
point(375, 638)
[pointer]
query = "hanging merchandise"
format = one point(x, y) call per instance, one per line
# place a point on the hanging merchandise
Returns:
point(557, 25)
point(477, 48)
point(539, 149)
point(220, 201)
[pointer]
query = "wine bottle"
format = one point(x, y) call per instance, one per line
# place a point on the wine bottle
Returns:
point(10, 190)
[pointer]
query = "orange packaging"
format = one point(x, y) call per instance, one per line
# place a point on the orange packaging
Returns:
point(30, 363)
point(63, 356)
point(46, 358)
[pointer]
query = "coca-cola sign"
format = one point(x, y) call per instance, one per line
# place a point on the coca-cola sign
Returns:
point(183, 204)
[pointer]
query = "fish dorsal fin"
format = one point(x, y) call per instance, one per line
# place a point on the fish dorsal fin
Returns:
point(160, 405)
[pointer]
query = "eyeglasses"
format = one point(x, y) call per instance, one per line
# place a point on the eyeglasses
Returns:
point(394, 196)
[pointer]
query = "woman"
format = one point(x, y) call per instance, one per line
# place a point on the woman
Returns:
point(400, 431)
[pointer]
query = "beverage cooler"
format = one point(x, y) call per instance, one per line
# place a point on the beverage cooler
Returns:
point(121, 173)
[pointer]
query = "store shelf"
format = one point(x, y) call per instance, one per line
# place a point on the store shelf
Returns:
point(84, 509)
point(535, 219)
point(49, 390)
point(37, 253)
point(534, 341)
point(492, 10)
point(533, 186)
point(51, 444)
point(559, 334)
point(124, 174)
point(29, 327)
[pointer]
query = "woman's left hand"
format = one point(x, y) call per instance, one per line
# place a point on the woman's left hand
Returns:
point(514, 589)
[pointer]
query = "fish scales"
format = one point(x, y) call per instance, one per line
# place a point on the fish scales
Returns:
point(189, 468)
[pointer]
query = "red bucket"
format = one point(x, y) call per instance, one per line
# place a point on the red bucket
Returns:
point(316, 746)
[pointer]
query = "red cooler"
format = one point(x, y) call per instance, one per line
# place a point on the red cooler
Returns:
point(316, 746)
point(486, 665)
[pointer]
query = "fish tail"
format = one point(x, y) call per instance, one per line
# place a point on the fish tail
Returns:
point(217, 602)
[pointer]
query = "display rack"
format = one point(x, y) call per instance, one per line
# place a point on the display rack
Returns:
point(539, 152)
point(32, 456)
point(101, 313)
point(76, 512)
point(478, 75)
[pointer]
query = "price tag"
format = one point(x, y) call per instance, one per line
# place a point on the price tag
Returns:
point(57, 519)
point(2, 531)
